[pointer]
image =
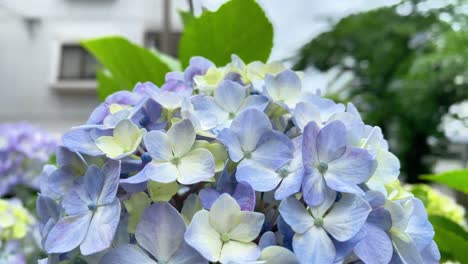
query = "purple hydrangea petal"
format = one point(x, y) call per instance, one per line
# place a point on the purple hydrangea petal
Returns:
point(126, 254)
point(68, 233)
point(102, 229)
point(160, 230)
point(314, 246)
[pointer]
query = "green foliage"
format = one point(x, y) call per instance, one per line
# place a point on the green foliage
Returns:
point(135, 206)
point(457, 180)
point(162, 192)
point(125, 64)
point(451, 238)
point(238, 27)
point(403, 71)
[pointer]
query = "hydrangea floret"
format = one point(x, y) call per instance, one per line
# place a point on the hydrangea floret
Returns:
point(237, 164)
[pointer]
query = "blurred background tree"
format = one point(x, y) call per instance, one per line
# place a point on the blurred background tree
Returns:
point(408, 63)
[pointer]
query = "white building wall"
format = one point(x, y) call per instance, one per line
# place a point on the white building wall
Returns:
point(30, 59)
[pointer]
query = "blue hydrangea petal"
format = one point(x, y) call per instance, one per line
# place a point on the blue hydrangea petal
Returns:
point(290, 185)
point(255, 101)
point(158, 145)
point(267, 239)
point(245, 196)
point(431, 254)
point(419, 228)
point(249, 126)
point(294, 213)
point(331, 141)
point(305, 113)
point(260, 177)
point(320, 210)
point(273, 150)
point(355, 166)
point(406, 251)
point(126, 254)
point(208, 196)
point(376, 247)
point(160, 230)
point(111, 170)
point(229, 95)
point(314, 246)
point(187, 255)
point(68, 233)
point(232, 143)
point(314, 188)
point(346, 217)
point(81, 140)
point(101, 229)
point(309, 146)
point(208, 112)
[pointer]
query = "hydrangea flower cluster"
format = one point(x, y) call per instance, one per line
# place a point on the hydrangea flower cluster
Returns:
point(15, 224)
point(455, 123)
point(234, 164)
point(24, 149)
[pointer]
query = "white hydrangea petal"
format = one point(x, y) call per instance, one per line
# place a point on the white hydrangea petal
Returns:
point(249, 228)
point(225, 214)
point(200, 230)
point(239, 252)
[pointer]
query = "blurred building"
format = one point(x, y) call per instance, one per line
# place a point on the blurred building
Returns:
point(45, 76)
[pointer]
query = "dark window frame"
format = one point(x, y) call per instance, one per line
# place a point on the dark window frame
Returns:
point(153, 39)
point(83, 57)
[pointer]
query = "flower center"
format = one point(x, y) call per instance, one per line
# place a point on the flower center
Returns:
point(232, 115)
point(322, 167)
point(92, 206)
point(175, 161)
point(318, 222)
point(248, 155)
point(225, 237)
point(146, 158)
point(283, 172)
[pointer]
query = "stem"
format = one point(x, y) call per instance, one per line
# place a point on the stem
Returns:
point(135, 157)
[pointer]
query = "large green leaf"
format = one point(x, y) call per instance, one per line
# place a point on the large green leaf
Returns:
point(451, 238)
point(457, 180)
point(238, 27)
point(125, 64)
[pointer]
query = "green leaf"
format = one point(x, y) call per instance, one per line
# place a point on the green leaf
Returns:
point(126, 64)
point(457, 180)
point(186, 17)
point(238, 27)
point(451, 238)
point(162, 192)
point(135, 207)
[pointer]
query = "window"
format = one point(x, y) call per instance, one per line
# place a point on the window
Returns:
point(76, 63)
point(154, 40)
